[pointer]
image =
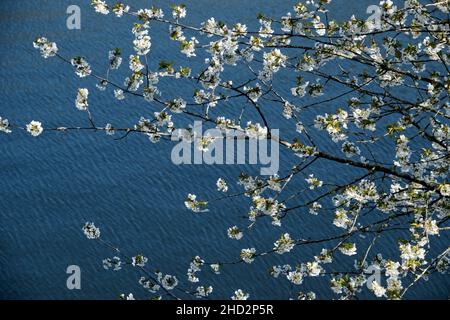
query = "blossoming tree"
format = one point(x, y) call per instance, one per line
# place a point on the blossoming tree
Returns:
point(385, 85)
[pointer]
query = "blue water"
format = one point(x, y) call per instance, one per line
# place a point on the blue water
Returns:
point(51, 185)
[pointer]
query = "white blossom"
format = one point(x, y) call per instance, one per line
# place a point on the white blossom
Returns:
point(412, 255)
point(101, 85)
point(149, 284)
point(433, 48)
point(100, 6)
point(284, 244)
point(215, 267)
point(4, 125)
point(150, 92)
point(300, 90)
point(113, 263)
point(377, 289)
point(82, 68)
point(179, 11)
point(394, 287)
point(255, 131)
point(365, 192)
point(350, 149)
point(314, 207)
point(91, 231)
point(115, 60)
point(176, 105)
point(247, 255)
point(240, 29)
point(266, 28)
point(109, 129)
point(203, 142)
point(193, 204)
point(313, 182)
point(256, 43)
point(235, 233)
point(253, 93)
point(127, 297)
point(209, 27)
point(274, 183)
point(296, 277)
point(203, 291)
point(349, 249)
point(169, 282)
point(325, 256)
point(288, 110)
point(445, 189)
point(308, 296)
point(240, 295)
point(119, 9)
point(142, 43)
point(139, 260)
point(133, 82)
point(188, 47)
point(82, 99)
point(392, 269)
point(431, 227)
point(47, 48)
point(135, 63)
point(35, 128)
point(319, 26)
point(274, 59)
point(341, 219)
point(313, 268)
point(192, 277)
point(221, 185)
point(118, 94)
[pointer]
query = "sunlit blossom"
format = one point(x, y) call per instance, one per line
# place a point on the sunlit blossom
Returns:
point(35, 128)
